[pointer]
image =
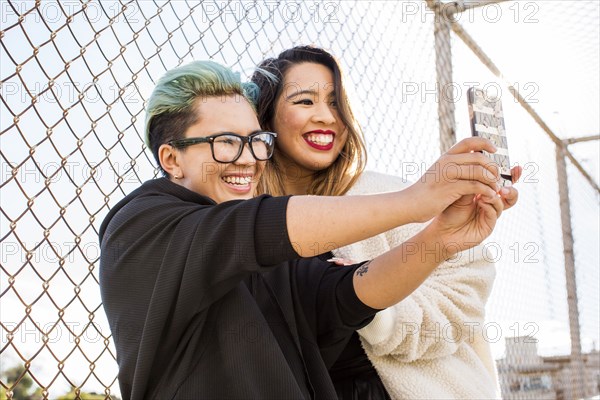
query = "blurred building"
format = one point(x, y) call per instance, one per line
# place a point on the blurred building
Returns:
point(525, 375)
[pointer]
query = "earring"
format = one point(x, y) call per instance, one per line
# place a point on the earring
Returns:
point(176, 176)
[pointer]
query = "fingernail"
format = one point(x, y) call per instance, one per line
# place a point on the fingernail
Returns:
point(334, 259)
point(504, 191)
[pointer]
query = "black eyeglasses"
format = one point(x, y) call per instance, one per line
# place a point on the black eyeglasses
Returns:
point(228, 147)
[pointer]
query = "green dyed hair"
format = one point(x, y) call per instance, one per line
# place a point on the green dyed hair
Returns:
point(170, 111)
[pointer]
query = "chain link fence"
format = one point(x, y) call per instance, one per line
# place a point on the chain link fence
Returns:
point(74, 79)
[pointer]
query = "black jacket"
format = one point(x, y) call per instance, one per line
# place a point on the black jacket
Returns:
point(210, 301)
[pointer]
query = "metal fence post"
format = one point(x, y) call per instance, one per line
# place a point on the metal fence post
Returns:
point(577, 367)
point(443, 70)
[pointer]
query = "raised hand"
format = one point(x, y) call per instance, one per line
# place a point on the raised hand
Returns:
point(463, 170)
point(472, 218)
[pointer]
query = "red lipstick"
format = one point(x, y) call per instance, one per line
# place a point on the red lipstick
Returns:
point(323, 147)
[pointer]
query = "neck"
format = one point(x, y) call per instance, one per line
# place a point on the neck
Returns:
point(296, 179)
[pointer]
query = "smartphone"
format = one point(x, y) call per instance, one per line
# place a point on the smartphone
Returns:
point(487, 121)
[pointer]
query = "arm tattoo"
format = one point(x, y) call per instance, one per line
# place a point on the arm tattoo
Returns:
point(363, 269)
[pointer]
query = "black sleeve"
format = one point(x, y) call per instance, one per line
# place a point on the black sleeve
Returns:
point(330, 304)
point(338, 306)
point(197, 252)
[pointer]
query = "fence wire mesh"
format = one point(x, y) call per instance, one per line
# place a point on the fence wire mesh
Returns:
point(74, 79)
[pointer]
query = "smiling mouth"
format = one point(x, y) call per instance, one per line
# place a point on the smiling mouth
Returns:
point(320, 140)
point(241, 181)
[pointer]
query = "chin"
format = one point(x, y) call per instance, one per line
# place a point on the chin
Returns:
point(237, 197)
point(320, 165)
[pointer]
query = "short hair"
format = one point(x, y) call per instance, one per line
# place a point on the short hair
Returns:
point(170, 110)
point(346, 169)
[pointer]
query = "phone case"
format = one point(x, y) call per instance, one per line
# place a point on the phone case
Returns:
point(487, 121)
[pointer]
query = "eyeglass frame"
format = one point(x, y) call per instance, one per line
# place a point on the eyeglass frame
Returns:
point(186, 142)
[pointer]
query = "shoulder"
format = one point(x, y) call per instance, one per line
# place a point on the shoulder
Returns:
point(377, 182)
point(157, 202)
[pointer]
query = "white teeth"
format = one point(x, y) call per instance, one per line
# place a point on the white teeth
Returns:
point(320, 139)
point(237, 180)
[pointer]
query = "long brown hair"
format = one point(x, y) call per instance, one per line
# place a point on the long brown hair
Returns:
point(340, 176)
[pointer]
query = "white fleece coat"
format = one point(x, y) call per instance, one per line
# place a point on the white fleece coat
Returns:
point(431, 344)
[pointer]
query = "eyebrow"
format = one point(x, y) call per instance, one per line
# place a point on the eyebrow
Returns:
point(309, 91)
point(306, 91)
point(237, 133)
point(225, 132)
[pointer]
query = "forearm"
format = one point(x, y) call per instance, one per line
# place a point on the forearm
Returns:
point(317, 224)
point(394, 275)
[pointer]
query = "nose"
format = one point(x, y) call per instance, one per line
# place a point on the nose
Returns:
point(246, 158)
point(324, 113)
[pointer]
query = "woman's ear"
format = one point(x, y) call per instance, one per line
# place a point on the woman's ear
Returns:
point(168, 156)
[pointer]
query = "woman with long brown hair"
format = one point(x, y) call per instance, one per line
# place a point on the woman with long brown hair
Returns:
point(320, 151)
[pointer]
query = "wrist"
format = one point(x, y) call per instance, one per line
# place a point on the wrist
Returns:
point(436, 237)
point(410, 205)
